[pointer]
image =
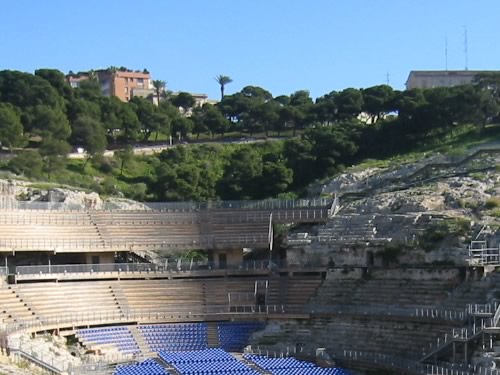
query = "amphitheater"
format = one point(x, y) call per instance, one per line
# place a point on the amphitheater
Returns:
point(99, 290)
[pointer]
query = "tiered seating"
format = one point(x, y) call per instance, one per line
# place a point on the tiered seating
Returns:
point(233, 336)
point(291, 366)
point(164, 295)
point(206, 362)
point(384, 291)
point(301, 290)
point(64, 299)
point(147, 367)
point(240, 227)
point(400, 338)
point(402, 293)
point(175, 337)
point(12, 308)
point(39, 229)
point(147, 228)
point(349, 229)
point(119, 338)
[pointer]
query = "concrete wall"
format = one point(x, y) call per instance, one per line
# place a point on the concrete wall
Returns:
point(104, 258)
point(234, 257)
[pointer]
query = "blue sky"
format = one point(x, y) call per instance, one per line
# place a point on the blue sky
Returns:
point(281, 45)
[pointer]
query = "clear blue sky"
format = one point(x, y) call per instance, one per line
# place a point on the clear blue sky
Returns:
point(281, 45)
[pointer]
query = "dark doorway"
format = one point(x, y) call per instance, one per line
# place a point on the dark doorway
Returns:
point(222, 261)
point(370, 259)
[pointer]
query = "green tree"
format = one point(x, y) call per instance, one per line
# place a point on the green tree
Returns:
point(349, 103)
point(129, 121)
point(223, 80)
point(377, 101)
point(27, 163)
point(240, 179)
point(54, 153)
point(125, 156)
point(276, 178)
point(159, 86)
point(147, 115)
point(181, 126)
point(89, 134)
point(57, 80)
point(49, 123)
point(11, 129)
point(89, 89)
point(184, 100)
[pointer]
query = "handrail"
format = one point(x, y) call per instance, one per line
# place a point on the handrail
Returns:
point(37, 361)
point(192, 312)
point(413, 366)
point(496, 317)
point(176, 265)
point(267, 204)
point(384, 310)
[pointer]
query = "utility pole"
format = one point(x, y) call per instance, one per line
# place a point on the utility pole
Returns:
point(466, 49)
point(387, 76)
point(446, 52)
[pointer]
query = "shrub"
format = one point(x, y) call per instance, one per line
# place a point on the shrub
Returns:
point(492, 202)
point(390, 254)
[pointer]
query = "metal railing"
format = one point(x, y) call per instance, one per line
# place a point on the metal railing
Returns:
point(458, 334)
point(413, 367)
point(169, 313)
point(484, 256)
point(123, 244)
point(178, 265)
point(268, 204)
point(384, 310)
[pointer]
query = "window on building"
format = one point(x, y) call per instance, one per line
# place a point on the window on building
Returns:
point(126, 90)
point(140, 81)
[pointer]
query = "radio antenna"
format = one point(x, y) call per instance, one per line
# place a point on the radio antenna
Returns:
point(466, 49)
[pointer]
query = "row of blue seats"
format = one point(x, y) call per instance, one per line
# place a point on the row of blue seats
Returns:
point(291, 366)
point(235, 336)
point(121, 337)
point(219, 362)
point(147, 367)
point(104, 329)
point(208, 355)
point(176, 348)
point(206, 362)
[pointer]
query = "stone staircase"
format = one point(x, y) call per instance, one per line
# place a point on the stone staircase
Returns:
point(250, 364)
point(171, 370)
point(212, 335)
point(120, 299)
point(141, 342)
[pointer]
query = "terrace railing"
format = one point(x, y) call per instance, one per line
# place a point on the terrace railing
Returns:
point(168, 267)
point(413, 367)
point(173, 242)
point(169, 313)
point(419, 313)
point(268, 204)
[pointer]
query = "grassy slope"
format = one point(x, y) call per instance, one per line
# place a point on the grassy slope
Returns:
point(93, 179)
point(456, 144)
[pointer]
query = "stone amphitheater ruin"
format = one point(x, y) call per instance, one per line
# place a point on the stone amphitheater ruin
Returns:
point(394, 271)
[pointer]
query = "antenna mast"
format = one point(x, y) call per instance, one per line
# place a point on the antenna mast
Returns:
point(466, 49)
point(446, 52)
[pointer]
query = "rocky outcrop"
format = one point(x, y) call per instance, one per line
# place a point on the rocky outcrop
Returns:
point(19, 194)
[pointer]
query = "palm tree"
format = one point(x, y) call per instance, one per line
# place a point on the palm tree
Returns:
point(223, 80)
point(159, 86)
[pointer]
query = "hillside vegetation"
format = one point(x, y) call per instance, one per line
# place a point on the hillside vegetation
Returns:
point(42, 118)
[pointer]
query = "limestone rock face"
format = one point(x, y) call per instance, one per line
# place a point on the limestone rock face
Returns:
point(19, 194)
